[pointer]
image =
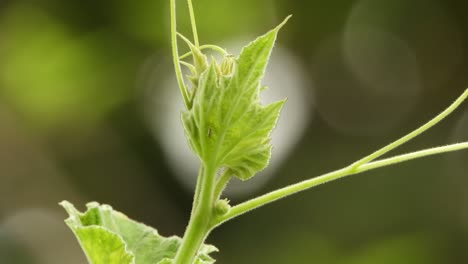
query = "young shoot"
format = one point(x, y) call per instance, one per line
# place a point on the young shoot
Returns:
point(229, 130)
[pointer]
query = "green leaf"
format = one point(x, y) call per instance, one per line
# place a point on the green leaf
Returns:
point(227, 126)
point(110, 237)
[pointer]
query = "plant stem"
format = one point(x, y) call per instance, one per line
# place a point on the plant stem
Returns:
point(412, 155)
point(199, 225)
point(198, 189)
point(192, 22)
point(221, 183)
point(347, 171)
point(413, 134)
point(175, 55)
point(218, 49)
point(359, 166)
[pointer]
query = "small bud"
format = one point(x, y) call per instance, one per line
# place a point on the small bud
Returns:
point(222, 207)
point(227, 65)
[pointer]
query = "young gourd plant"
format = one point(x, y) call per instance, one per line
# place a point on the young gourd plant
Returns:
point(229, 130)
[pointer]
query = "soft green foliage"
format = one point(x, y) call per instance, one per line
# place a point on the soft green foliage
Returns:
point(110, 237)
point(227, 126)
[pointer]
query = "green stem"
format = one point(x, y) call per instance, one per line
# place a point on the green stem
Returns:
point(347, 171)
point(412, 155)
point(218, 49)
point(192, 22)
point(413, 134)
point(175, 55)
point(221, 183)
point(359, 166)
point(198, 189)
point(199, 225)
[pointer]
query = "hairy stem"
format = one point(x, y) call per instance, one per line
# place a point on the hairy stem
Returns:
point(413, 155)
point(359, 166)
point(347, 171)
point(199, 225)
point(218, 49)
point(193, 23)
point(413, 134)
point(175, 55)
point(221, 183)
point(198, 189)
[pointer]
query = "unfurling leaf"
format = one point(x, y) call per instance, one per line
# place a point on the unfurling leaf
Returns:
point(226, 125)
point(110, 237)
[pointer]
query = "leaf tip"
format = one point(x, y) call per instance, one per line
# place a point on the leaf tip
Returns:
point(73, 214)
point(283, 23)
point(71, 210)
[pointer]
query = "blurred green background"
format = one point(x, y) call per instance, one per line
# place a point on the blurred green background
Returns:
point(89, 111)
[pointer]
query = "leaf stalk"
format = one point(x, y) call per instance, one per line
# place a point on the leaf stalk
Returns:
point(359, 166)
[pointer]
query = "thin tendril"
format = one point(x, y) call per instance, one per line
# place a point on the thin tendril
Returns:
point(218, 49)
point(175, 54)
point(194, 24)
